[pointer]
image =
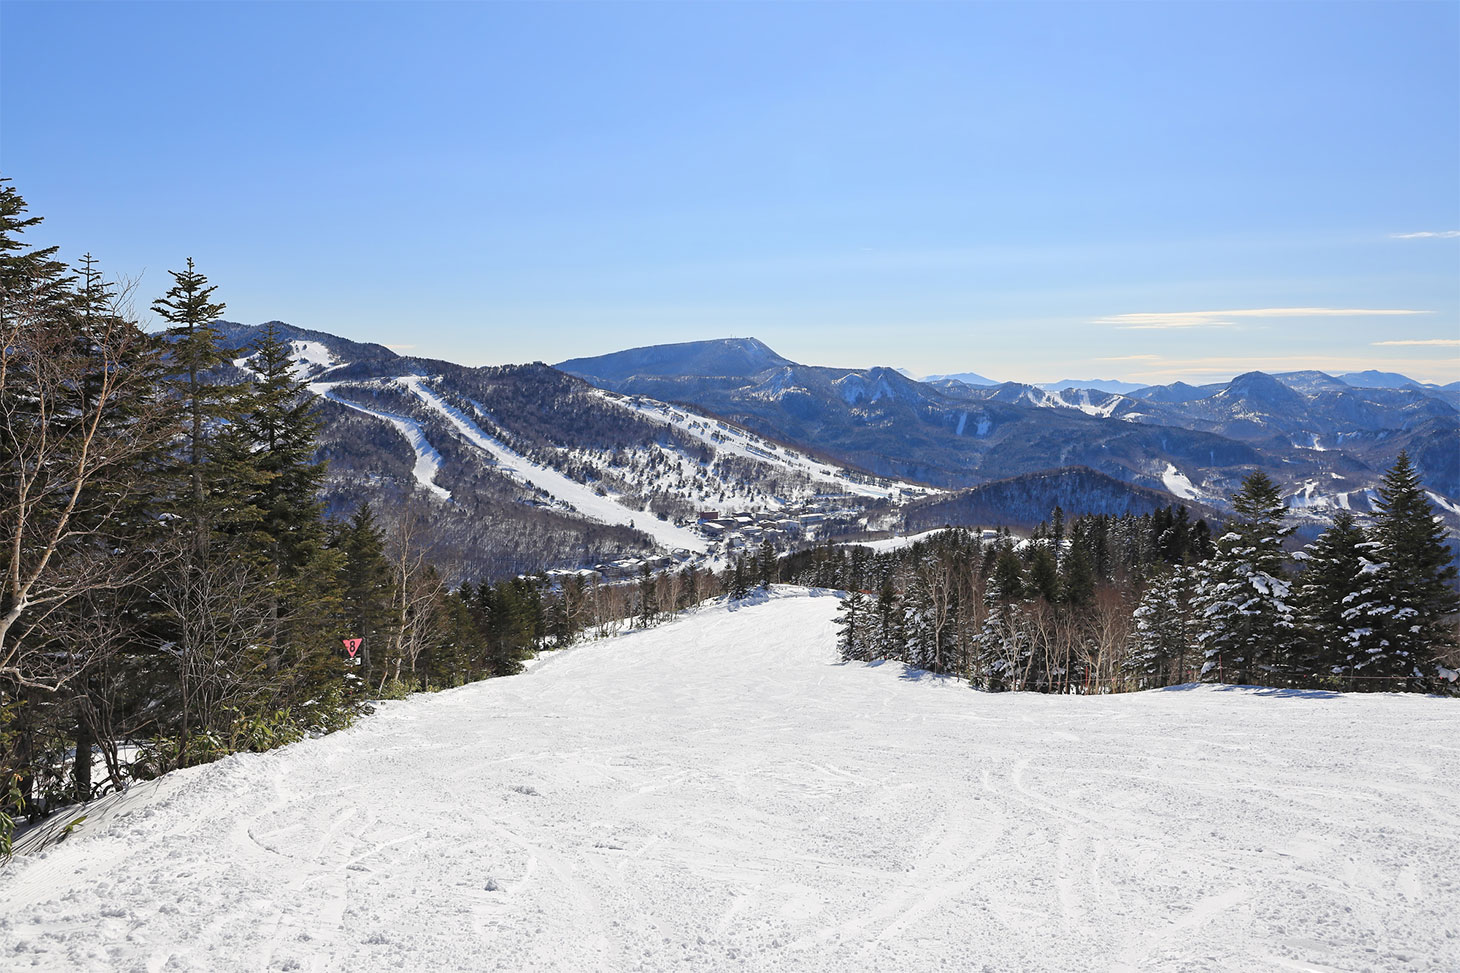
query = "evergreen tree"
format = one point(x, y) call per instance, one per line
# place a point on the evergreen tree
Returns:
point(739, 580)
point(1042, 578)
point(1331, 595)
point(1413, 592)
point(367, 596)
point(1077, 572)
point(1162, 634)
point(1242, 593)
point(853, 627)
point(648, 609)
point(217, 462)
point(890, 639)
point(281, 423)
point(766, 565)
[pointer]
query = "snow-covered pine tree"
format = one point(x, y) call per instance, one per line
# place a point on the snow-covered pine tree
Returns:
point(1163, 631)
point(1242, 593)
point(1331, 592)
point(855, 628)
point(1001, 648)
point(1401, 635)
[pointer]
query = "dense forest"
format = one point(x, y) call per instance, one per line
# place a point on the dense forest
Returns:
point(1103, 604)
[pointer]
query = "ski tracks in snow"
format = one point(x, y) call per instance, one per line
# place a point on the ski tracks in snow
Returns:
point(719, 794)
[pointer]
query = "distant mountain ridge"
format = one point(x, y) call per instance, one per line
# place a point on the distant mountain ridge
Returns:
point(1322, 439)
point(519, 468)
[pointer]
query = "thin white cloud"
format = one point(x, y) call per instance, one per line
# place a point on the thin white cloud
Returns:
point(1446, 342)
point(1130, 358)
point(1160, 320)
point(1426, 235)
point(1167, 369)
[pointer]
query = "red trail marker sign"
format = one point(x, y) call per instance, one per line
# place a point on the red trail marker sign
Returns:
point(352, 646)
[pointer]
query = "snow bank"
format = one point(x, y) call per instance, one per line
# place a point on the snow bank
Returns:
point(720, 794)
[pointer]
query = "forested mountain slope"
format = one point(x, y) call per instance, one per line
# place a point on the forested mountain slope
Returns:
point(1323, 440)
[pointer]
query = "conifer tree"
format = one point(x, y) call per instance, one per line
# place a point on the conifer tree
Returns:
point(1163, 629)
point(218, 474)
point(766, 564)
point(1242, 593)
point(853, 625)
point(1413, 589)
point(648, 607)
point(280, 419)
point(1042, 577)
point(739, 580)
point(1077, 573)
point(367, 595)
point(890, 639)
point(1332, 594)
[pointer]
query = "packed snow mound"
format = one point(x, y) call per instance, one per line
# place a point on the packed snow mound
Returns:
point(721, 794)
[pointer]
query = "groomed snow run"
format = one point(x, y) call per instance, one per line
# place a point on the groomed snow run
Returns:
point(604, 509)
point(720, 794)
point(729, 439)
point(1177, 484)
point(428, 460)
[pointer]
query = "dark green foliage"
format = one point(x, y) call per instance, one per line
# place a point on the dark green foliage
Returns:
point(367, 593)
point(1406, 635)
point(280, 421)
point(1242, 593)
point(854, 638)
point(1331, 596)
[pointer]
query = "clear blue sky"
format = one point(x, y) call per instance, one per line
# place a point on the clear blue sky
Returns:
point(1032, 191)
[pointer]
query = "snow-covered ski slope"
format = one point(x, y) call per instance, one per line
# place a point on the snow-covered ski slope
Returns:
point(719, 794)
point(428, 460)
point(734, 440)
point(573, 495)
point(579, 496)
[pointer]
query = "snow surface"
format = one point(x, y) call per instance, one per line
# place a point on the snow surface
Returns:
point(885, 544)
point(720, 794)
point(580, 497)
point(428, 460)
point(1177, 484)
point(310, 357)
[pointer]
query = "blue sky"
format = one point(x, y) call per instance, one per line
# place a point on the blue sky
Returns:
point(1031, 191)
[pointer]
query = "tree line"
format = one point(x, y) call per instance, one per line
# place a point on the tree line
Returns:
point(173, 590)
point(1105, 604)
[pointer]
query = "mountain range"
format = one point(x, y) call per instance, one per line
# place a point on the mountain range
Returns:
point(1324, 440)
point(702, 447)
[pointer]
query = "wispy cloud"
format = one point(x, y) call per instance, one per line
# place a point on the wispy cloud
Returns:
point(1160, 320)
point(1166, 369)
point(1130, 358)
point(1446, 342)
point(1426, 235)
